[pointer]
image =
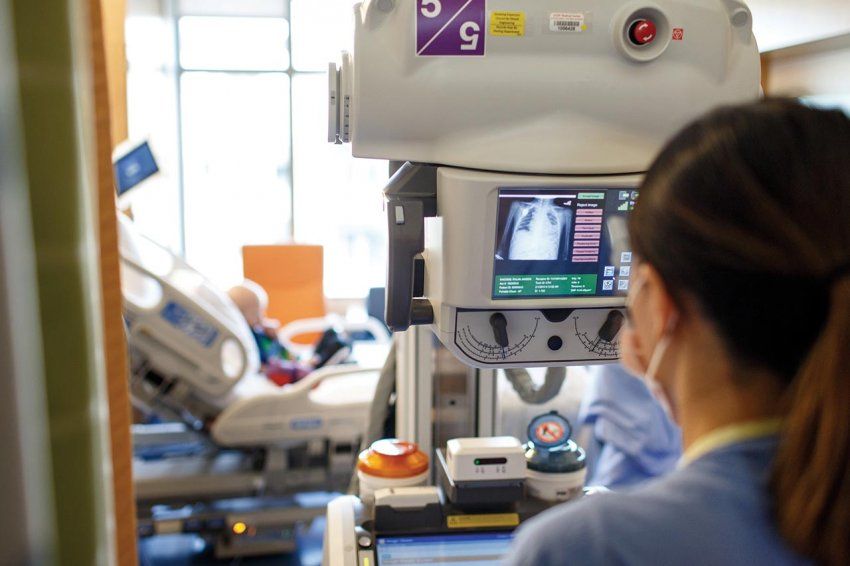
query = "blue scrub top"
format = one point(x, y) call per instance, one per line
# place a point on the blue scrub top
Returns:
point(633, 438)
point(715, 510)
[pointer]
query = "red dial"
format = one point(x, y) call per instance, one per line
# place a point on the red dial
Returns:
point(643, 32)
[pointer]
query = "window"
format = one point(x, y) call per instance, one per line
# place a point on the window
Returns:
point(830, 101)
point(234, 44)
point(338, 200)
point(236, 160)
point(152, 115)
point(232, 95)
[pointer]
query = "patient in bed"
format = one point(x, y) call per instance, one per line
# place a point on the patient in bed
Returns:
point(278, 364)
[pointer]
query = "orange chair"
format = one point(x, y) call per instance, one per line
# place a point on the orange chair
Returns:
point(292, 276)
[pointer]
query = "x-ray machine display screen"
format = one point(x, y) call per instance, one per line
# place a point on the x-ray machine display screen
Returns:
point(563, 243)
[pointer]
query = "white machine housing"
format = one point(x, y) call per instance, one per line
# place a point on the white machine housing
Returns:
point(542, 108)
point(464, 228)
point(480, 459)
point(408, 497)
point(341, 546)
point(545, 102)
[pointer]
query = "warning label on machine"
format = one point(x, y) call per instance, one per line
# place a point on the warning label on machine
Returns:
point(568, 22)
point(507, 24)
point(482, 521)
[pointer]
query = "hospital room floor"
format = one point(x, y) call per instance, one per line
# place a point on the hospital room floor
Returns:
point(187, 549)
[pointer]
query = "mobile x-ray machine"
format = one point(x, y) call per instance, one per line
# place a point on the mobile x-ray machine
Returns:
point(521, 131)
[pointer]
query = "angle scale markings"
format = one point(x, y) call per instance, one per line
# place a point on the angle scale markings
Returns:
point(490, 351)
point(604, 350)
point(485, 351)
point(479, 345)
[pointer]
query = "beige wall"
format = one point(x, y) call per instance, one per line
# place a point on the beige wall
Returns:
point(782, 23)
point(817, 69)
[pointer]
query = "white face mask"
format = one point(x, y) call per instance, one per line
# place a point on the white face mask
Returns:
point(648, 372)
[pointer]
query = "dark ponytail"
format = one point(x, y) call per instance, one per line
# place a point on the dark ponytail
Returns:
point(811, 477)
point(747, 212)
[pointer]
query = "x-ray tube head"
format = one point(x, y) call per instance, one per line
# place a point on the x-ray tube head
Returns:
point(523, 158)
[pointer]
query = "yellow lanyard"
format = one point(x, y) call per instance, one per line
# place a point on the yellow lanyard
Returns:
point(728, 435)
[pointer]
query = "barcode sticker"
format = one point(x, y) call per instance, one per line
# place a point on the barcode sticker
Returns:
point(568, 22)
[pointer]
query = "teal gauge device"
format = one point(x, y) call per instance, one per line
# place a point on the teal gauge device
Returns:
point(549, 430)
point(550, 448)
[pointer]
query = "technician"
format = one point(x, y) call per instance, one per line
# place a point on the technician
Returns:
point(740, 322)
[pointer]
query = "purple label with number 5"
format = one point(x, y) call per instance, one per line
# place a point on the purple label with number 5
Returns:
point(450, 27)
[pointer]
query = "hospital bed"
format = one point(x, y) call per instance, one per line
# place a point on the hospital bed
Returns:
point(229, 431)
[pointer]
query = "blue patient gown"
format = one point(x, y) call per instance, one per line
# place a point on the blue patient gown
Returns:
point(713, 511)
point(633, 439)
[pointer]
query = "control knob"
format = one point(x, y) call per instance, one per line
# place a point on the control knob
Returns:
point(612, 326)
point(500, 329)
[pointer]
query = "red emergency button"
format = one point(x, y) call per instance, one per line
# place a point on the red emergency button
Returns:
point(643, 32)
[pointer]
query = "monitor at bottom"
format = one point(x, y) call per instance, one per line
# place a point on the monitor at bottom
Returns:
point(466, 549)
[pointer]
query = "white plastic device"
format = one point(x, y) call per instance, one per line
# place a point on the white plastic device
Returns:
point(464, 304)
point(543, 102)
point(483, 459)
point(407, 497)
point(555, 487)
point(340, 546)
point(371, 485)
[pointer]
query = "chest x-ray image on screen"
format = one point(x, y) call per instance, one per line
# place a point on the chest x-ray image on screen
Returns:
point(536, 229)
point(563, 242)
